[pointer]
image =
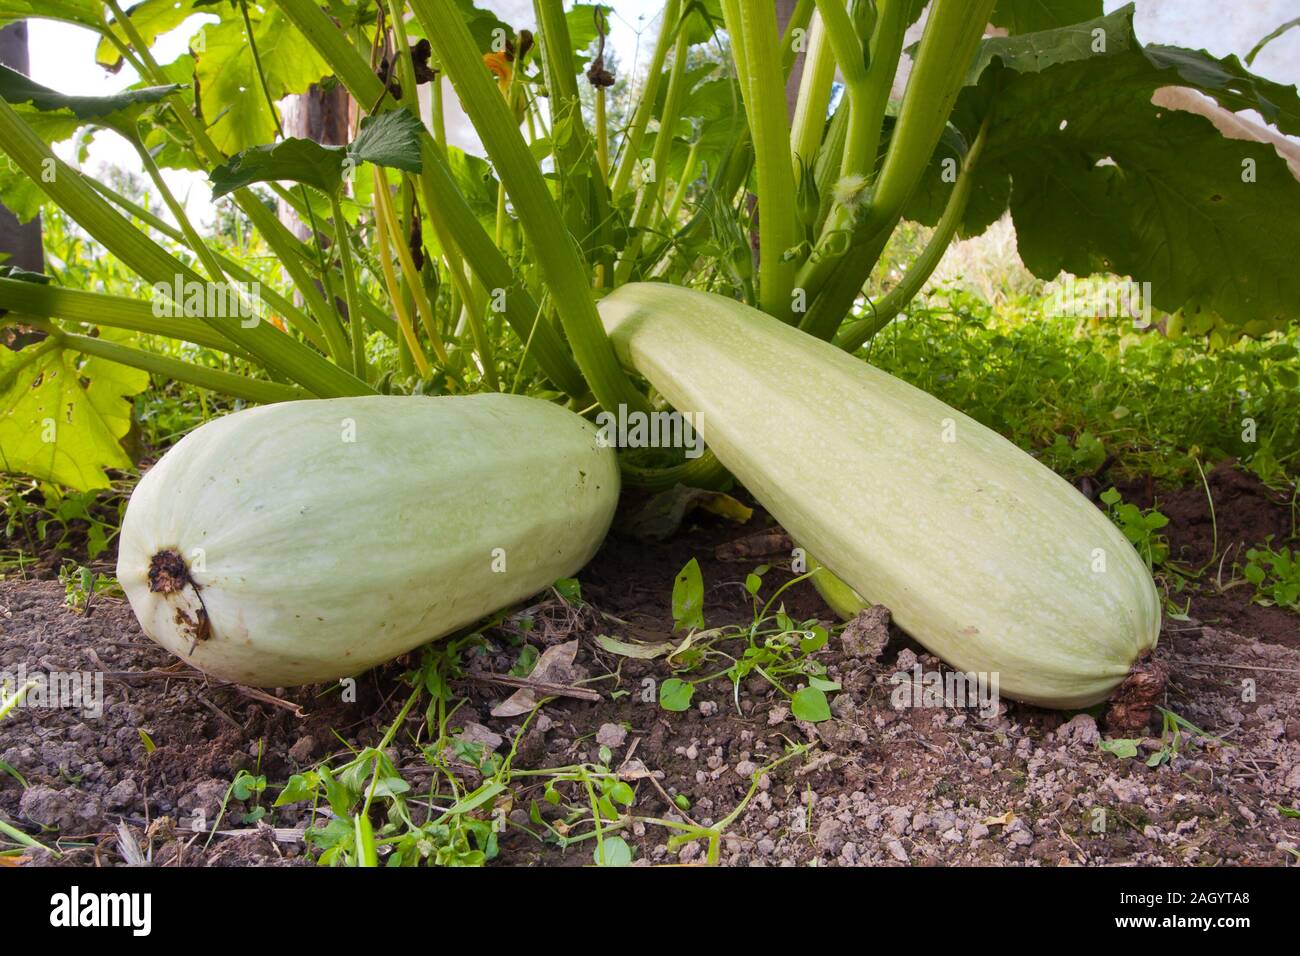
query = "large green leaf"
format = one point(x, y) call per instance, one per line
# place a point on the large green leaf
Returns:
point(230, 91)
point(292, 160)
point(1030, 16)
point(86, 12)
point(151, 19)
point(1229, 82)
point(1099, 179)
point(581, 21)
point(389, 139)
point(106, 110)
point(62, 418)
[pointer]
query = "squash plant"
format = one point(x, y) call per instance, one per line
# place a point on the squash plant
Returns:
point(485, 276)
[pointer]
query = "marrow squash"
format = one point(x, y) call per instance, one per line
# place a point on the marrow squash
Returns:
point(984, 555)
point(308, 541)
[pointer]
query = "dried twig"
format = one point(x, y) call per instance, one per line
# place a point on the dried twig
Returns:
point(545, 689)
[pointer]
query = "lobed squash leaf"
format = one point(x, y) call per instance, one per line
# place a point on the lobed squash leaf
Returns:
point(104, 110)
point(1098, 179)
point(151, 19)
point(1030, 16)
point(62, 417)
point(389, 139)
point(230, 91)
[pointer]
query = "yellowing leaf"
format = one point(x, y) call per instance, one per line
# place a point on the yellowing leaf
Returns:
point(62, 419)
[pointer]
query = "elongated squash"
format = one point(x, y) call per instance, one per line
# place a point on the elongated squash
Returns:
point(308, 541)
point(985, 556)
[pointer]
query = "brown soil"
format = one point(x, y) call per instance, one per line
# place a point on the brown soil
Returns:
point(1246, 513)
point(876, 785)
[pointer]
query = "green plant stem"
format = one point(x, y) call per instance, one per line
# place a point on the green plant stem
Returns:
point(282, 242)
point(952, 34)
point(192, 239)
point(537, 212)
point(394, 288)
point(814, 94)
point(602, 133)
point(648, 198)
point(453, 221)
point(296, 317)
point(844, 42)
point(99, 308)
point(437, 120)
point(683, 183)
point(226, 383)
point(703, 472)
point(388, 220)
point(333, 328)
point(410, 96)
point(561, 71)
point(581, 197)
point(948, 45)
point(867, 113)
point(854, 335)
point(867, 94)
point(350, 289)
point(21, 838)
point(279, 352)
point(829, 159)
point(630, 151)
point(472, 293)
point(397, 21)
point(753, 25)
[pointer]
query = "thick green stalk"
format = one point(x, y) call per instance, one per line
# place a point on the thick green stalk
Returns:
point(867, 94)
point(344, 248)
point(451, 217)
point(683, 183)
point(65, 186)
point(537, 212)
point(814, 94)
point(295, 316)
point(436, 117)
point(581, 184)
point(754, 26)
point(733, 170)
point(948, 45)
point(868, 114)
point(561, 70)
point(100, 308)
point(227, 383)
point(852, 336)
point(844, 42)
point(830, 158)
point(648, 198)
point(602, 133)
point(282, 242)
point(703, 472)
point(631, 150)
